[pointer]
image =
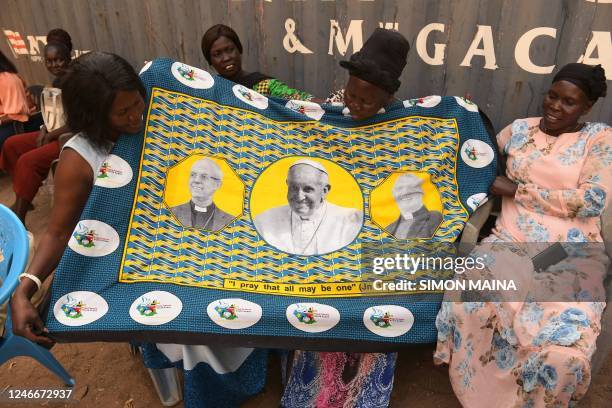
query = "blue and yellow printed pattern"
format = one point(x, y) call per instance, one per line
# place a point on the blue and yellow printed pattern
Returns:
point(202, 114)
point(159, 249)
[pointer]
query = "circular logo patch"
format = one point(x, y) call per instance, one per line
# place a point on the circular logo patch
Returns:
point(409, 103)
point(310, 109)
point(476, 200)
point(155, 308)
point(79, 308)
point(114, 173)
point(191, 76)
point(250, 97)
point(312, 317)
point(466, 104)
point(425, 102)
point(145, 67)
point(93, 238)
point(429, 101)
point(388, 320)
point(476, 153)
point(347, 112)
point(234, 313)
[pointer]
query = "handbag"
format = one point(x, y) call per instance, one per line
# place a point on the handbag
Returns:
point(52, 109)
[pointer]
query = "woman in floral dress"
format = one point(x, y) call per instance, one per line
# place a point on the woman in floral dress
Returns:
point(537, 353)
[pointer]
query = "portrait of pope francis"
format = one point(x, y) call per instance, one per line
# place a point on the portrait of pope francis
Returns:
point(309, 224)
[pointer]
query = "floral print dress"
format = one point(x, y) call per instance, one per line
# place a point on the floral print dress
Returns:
point(535, 353)
point(337, 380)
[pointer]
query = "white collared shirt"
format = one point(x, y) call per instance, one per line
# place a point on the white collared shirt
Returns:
point(407, 216)
point(200, 209)
point(304, 231)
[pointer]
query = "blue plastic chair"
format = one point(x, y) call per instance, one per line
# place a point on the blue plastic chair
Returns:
point(14, 247)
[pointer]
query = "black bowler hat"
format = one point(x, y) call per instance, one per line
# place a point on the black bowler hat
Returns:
point(381, 60)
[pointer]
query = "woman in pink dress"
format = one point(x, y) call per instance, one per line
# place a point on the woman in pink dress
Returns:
point(13, 102)
point(535, 352)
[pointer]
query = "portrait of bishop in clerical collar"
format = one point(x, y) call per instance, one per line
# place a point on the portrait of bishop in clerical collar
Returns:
point(205, 178)
point(309, 224)
point(415, 221)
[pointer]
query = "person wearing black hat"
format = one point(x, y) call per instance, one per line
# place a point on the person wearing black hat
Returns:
point(558, 178)
point(352, 379)
point(374, 73)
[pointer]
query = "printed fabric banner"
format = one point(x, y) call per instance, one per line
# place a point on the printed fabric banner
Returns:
point(244, 220)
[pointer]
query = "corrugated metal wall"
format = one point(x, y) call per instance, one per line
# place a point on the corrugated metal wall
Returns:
point(142, 30)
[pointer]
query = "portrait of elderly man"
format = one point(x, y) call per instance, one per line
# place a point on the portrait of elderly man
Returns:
point(205, 178)
point(415, 221)
point(309, 224)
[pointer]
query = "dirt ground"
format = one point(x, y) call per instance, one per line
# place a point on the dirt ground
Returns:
point(107, 375)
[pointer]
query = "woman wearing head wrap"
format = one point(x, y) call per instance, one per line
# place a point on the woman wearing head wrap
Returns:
point(27, 157)
point(222, 49)
point(337, 379)
point(559, 172)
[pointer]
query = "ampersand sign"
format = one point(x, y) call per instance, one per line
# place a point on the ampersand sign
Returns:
point(291, 42)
